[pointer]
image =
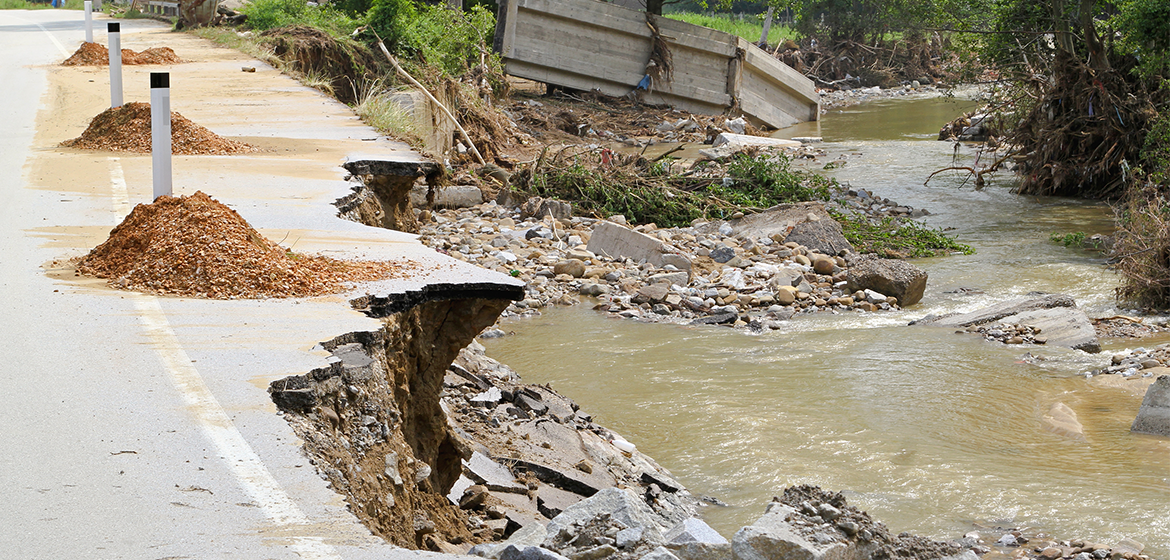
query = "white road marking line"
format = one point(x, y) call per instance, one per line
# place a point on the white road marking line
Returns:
point(60, 47)
point(247, 467)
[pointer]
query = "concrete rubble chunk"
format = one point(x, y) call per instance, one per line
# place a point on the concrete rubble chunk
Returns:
point(454, 196)
point(495, 476)
point(1056, 315)
point(490, 396)
point(728, 144)
point(895, 278)
point(1154, 416)
point(616, 242)
point(622, 505)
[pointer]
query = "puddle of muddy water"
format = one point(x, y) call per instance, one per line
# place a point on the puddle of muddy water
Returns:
point(928, 430)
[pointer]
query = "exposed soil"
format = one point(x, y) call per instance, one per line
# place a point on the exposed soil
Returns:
point(196, 246)
point(309, 51)
point(127, 129)
point(94, 54)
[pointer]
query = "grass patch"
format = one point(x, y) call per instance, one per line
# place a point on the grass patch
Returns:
point(747, 26)
point(895, 238)
point(26, 5)
point(377, 108)
point(268, 14)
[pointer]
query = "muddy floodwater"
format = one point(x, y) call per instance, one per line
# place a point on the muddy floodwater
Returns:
point(930, 431)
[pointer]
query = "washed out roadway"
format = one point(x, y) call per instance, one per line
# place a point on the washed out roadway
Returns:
point(137, 426)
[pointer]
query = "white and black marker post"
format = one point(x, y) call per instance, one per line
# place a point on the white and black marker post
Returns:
point(114, 35)
point(88, 21)
point(160, 132)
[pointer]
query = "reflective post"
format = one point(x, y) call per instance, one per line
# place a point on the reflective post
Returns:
point(160, 132)
point(88, 21)
point(114, 34)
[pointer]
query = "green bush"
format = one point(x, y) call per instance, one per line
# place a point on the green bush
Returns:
point(268, 14)
point(454, 41)
point(761, 182)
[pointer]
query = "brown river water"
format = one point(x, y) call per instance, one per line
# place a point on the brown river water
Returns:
point(930, 431)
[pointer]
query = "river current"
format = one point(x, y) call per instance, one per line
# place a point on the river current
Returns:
point(929, 431)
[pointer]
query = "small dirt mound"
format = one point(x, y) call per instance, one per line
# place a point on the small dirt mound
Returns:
point(93, 54)
point(196, 246)
point(127, 129)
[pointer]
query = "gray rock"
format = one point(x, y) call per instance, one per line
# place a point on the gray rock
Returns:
point(874, 297)
point(1056, 315)
point(660, 553)
point(630, 538)
point(593, 289)
point(537, 207)
point(670, 278)
point(722, 254)
point(692, 539)
point(824, 235)
point(622, 505)
point(895, 278)
point(1154, 416)
point(513, 552)
point(771, 537)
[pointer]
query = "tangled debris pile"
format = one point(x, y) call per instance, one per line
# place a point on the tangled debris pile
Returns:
point(127, 129)
point(94, 54)
point(196, 246)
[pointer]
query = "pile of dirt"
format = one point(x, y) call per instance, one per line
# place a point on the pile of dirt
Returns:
point(93, 54)
point(196, 246)
point(127, 129)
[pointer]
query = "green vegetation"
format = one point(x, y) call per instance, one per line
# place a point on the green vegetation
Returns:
point(26, 5)
point(1070, 240)
point(761, 182)
point(749, 27)
point(377, 109)
point(644, 191)
point(895, 238)
point(269, 14)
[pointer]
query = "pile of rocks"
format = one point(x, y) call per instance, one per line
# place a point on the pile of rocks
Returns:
point(1140, 362)
point(1017, 543)
point(1008, 333)
point(806, 522)
point(534, 455)
point(751, 270)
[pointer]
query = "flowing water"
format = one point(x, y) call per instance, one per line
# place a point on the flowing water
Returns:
point(930, 431)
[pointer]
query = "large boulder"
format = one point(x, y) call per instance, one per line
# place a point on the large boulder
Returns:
point(1154, 416)
point(889, 277)
point(621, 505)
point(692, 539)
point(1056, 315)
point(824, 235)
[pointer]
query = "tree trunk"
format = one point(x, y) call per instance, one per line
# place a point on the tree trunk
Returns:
point(655, 6)
point(1098, 59)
